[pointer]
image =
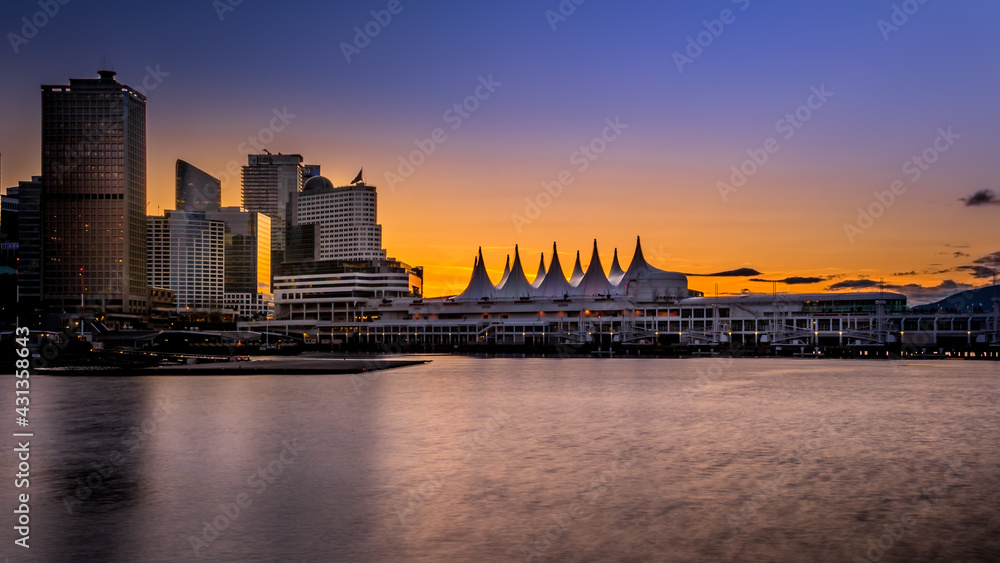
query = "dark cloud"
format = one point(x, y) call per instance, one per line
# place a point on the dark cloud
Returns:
point(910, 273)
point(982, 197)
point(916, 294)
point(794, 280)
point(979, 272)
point(989, 259)
point(960, 254)
point(853, 284)
point(738, 273)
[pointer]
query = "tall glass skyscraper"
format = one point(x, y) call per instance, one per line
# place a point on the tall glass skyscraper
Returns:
point(94, 196)
point(196, 189)
point(271, 185)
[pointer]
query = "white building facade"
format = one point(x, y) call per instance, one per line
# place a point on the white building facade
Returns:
point(186, 254)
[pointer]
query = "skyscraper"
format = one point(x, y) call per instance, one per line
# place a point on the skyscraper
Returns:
point(94, 195)
point(187, 255)
point(29, 249)
point(271, 185)
point(248, 262)
point(196, 189)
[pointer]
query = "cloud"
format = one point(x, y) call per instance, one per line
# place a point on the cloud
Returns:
point(738, 273)
point(979, 272)
point(982, 197)
point(916, 294)
point(960, 254)
point(853, 284)
point(794, 280)
point(989, 260)
point(910, 273)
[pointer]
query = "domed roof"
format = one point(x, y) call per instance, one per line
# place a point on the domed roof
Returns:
point(317, 183)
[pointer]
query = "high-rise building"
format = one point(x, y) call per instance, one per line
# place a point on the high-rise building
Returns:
point(196, 189)
point(29, 244)
point(271, 185)
point(247, 285)
point(186, 253)
point(94, 196)
point(345, 218)
point(9, 217)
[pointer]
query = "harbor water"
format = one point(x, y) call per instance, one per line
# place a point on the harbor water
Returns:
point(518, 459)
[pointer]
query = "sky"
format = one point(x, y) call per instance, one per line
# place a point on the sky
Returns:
point(824, 145)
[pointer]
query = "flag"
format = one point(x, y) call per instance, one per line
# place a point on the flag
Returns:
point(359, 177)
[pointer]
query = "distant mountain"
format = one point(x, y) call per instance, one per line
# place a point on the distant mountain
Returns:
point(980, 298)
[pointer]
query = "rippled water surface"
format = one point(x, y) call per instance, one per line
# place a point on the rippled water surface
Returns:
point(468, 459)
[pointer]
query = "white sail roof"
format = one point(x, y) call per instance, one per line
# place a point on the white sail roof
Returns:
point(517, 284)
point(554, 285)
point(577, 275)
point(616, 274)
point(506, 272)
point(480, 285)
point(594, 282)
point(639, 269)
point(541, 273)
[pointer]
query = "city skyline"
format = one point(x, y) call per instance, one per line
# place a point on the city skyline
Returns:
point(824, 111)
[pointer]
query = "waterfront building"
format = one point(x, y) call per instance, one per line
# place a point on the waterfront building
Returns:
point(94, 196)
point(345, 218)
point(644, 307)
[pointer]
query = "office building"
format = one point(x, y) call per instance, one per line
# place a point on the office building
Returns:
point(271, 185)
point(186, 253)
point(345, 218)
point(93, 196)
point(247, 282)
point(196, 190)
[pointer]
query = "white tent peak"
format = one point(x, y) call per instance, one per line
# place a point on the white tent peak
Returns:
point(594, 282)
point(541, 273)
point(555, 284)
point(480, 286)
point(577, 275)
point(506, 272)
point(616, 274)
point(517, 285)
